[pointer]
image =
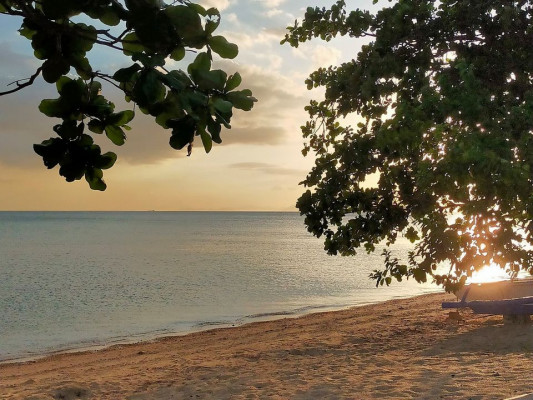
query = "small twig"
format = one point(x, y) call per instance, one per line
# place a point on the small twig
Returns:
point(108, 44)
point(114, 39)
point(108, 79)
point(20, 86)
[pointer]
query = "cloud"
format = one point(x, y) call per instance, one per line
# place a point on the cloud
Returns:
point(253, 40)
point(221, 5)
point(271, 3)
point(271, 122)
point(231, 17)
point(280, 101)
point(320, 55)
point(251, 133)
point(147, 142)
point(323, 55)
point(273, 12)
point(265, 125)
point(267, 168)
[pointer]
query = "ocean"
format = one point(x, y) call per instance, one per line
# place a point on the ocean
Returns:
point(76, 280)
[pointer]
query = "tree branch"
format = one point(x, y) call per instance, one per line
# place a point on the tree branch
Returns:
point(108, 79)
point(20, 86)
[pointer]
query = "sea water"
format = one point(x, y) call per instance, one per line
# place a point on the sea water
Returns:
point(73, 280)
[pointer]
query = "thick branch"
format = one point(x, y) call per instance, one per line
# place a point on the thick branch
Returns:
point(20, 86)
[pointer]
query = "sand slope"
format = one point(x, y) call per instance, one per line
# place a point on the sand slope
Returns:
point(394, 350)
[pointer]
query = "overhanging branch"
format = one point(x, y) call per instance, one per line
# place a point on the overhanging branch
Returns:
point(20, 85)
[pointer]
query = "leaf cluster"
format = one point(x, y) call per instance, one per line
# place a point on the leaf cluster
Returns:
point(196, 101)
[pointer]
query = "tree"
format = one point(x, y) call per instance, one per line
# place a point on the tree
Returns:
point(195, 102)
point(444, 93)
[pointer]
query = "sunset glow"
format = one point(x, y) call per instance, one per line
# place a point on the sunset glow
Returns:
point(257, 167)
point(489, 273)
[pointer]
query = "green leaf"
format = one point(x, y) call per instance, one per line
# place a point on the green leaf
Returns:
point(202, 62)
point(81, 43)
point(198, 9)
point(208, 80)
point(121, 118)
point(182, 132)
point(54, 68)
point(178, 53)
point(419, 275)
point(106, 161)
point(206, 140)
point(186, 21)
point(148, 89)
point(214, 129)
point(82, 66)
point(177, 80)
point(69, 129)
point(51, 151)
point(233, 82)
point(110, 17)
point(25, 31)
point(242, 99)
point(223, 106)
point(126, 74)
point(96, 126)
point(51, 108)
point(115, 134)
point(131, 44)
point(213, 21)
point(94, 177)
point(222, 47)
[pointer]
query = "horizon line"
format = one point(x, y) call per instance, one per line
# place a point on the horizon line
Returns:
point(184, 211)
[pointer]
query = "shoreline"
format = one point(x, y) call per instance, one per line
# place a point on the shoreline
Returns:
point(406, 348)
point(202, 326)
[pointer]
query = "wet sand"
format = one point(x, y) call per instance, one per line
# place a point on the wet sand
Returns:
point(400, 349)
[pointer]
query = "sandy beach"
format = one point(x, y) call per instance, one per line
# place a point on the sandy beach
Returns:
point(399, 349)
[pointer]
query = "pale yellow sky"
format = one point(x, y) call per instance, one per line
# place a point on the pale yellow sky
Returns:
point(257, 167)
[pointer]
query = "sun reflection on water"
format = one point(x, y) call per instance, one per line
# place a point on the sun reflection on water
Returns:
point(489, 273)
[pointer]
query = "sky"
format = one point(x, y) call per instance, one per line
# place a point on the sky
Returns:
point(258, 166)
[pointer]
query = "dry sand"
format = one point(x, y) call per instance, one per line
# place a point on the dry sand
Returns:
point(400, 349)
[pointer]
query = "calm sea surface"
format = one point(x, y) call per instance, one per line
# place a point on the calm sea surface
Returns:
point(78, 279)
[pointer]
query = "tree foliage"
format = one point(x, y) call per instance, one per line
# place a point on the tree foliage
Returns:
point(196, 102)
point(444, 94)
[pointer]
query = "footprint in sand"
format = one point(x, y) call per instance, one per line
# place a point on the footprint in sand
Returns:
point(71, 393)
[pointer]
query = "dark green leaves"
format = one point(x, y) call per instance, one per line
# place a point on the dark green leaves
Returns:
point(242, 99)
point(443, 122)
point(233, 82)
point(126, 74)
point(54, 68)
point(187, 22)
point(148, 88)
point(194, 102)
point(222, 47)
point(76, 158)
point(94, 177)
point(115, 134)
point(182, 132)
point(206, 140)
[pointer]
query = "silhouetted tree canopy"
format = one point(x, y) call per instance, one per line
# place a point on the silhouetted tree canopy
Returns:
point(443, 91)
point(195, 102)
